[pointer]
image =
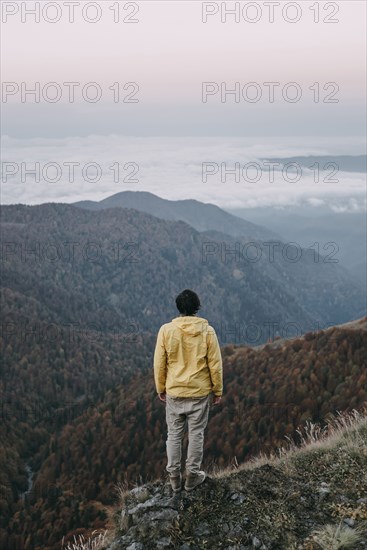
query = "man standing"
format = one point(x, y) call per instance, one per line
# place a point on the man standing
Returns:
point(187, 370)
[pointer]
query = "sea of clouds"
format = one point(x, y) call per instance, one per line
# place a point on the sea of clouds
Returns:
point(171, 167)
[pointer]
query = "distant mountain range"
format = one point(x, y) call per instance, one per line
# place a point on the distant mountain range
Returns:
point(312, 226)
point(126, 267)
point(344, 163)
point(201, 216)
point(307, 226)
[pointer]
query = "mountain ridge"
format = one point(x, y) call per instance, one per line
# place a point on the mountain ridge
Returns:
point(201, 216)
point(124, 242)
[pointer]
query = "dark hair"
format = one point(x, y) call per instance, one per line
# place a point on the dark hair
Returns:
point(188, 302)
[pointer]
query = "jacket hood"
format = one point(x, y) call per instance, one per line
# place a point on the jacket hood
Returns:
point(191, 325)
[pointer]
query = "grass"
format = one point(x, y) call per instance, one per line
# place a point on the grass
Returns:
point(335, 537)
point(344, 429)
point(98, 541)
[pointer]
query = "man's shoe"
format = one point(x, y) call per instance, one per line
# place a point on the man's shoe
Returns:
point(193, 480)
point(176, 482)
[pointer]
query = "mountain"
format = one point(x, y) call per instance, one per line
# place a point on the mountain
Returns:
point(118, 437)
point(120, 270)
point(199, 215)
point(342, 234)
point(342, 163)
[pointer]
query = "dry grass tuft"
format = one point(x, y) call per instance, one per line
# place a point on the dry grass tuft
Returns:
point(341, 429)
point(335, 537)
point(98, 541)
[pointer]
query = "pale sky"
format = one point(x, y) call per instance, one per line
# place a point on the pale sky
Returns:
point(170, 52)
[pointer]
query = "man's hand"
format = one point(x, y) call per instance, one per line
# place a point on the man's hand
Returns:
point(162, 396)
point(217, 399)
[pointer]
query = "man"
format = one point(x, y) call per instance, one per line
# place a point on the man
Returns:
point(187, 370)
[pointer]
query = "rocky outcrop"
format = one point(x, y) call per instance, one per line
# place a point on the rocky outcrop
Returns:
point(268, 507)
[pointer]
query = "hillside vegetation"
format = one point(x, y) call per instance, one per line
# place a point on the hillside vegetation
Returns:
point(120, 437)
point(118, 267)
point(310, 497)
point(79, 412)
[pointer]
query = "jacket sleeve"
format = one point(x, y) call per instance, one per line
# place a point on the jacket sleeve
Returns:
point(214, 358)
point(160, 363)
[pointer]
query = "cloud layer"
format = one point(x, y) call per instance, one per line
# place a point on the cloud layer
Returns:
point(173, 167)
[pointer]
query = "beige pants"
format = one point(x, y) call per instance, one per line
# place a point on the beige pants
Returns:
point(196, 411)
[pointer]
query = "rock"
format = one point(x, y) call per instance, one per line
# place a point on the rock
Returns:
point(135, 546)
point(362, 500)
point(238, 498)
point(256, 542)
point(154, 502)
point(140, 493)
point(122, 542)
point(235, 531)
point(164, 542)
point(343, 498)
point(125, 520)
point(165, 515)
point(132, 534)
point(202, 529)
point(168, 502)
point(324, 490)
point(349, 521)
point(154, 523)
point(144, 505)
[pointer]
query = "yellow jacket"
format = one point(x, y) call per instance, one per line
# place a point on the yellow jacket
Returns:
point(187, 358)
